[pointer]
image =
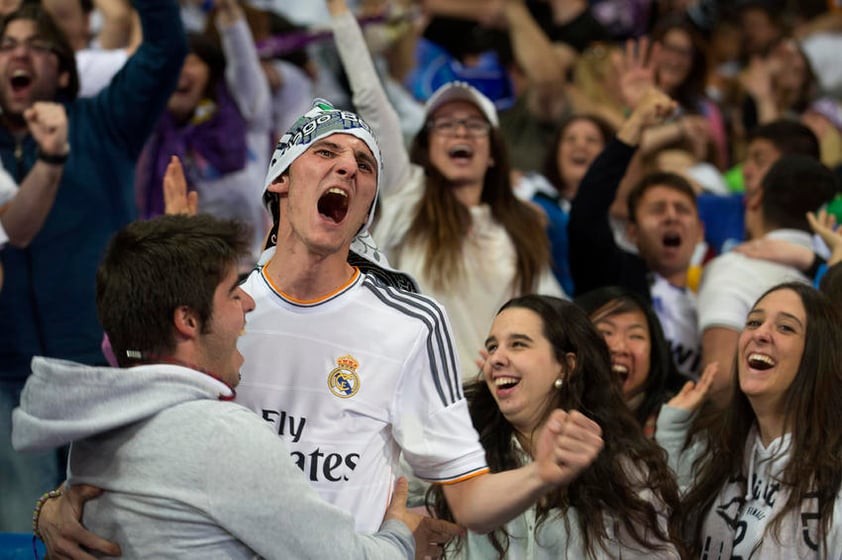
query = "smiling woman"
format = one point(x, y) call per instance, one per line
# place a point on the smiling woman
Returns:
point(544, 354)
point(769, 474)
point(639, 352)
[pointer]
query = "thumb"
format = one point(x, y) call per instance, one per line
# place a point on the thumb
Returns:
point(401, 491)
point(687, 388)
point(81, 493)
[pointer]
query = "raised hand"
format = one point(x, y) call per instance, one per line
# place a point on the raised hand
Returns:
point(654, 108)
point(47, 122)
point(692, 395)
point(636, 70)
point(176, 198)
point(567, 444)
point(824, 225)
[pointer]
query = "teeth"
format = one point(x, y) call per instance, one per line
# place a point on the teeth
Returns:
point(336, 190)
point(619, 368)
point(505, 381)
point(761, 358)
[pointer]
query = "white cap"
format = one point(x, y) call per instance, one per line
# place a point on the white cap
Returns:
point(462, 91)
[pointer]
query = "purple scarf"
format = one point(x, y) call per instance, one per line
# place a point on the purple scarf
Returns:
point(208, 149)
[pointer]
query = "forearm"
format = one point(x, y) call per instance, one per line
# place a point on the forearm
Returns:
point(656, 137)
point(369, 97)
point(27, 211)
point(719, 344)
point(245, 79)
point(118, 20)
point(465, 9)
point(486, 502)
point(532, 48)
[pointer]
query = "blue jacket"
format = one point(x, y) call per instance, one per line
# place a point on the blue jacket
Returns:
point(48, 300)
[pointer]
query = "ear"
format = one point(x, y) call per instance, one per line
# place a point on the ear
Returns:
point(701, 236)
point(754, 201)
point(570, 359)
point(280, 185)
point(186, 323)
point(63, 79)
point(631, 231)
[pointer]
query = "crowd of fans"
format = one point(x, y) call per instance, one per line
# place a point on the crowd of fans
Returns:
point(622, 208)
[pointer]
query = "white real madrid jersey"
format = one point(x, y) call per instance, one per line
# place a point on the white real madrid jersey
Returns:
point(350, 380)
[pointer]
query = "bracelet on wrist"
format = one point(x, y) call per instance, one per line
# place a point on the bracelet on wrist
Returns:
point(36, 515)
point(54, 159)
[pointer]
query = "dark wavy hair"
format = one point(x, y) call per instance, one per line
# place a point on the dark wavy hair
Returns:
point(442, 222)
point(605, 490)
point(813, 405)
point(614, 300)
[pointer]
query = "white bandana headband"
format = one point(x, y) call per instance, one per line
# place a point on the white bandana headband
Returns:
point(320, 121)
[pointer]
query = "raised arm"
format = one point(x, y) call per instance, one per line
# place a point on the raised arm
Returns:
point(533, 50)
point(567, 444)
point(243, 75)
point(368, 95)
point(589, 229)
point(118, 23)
point(138, 93)
point(24, 215)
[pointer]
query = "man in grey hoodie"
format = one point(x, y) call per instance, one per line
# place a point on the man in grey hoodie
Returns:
point(186, 472)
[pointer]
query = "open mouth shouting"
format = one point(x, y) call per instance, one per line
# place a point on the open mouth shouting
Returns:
point(460, 152)
point(20, 79)
point(671, 240)
point(333, 205)
point(621, 371)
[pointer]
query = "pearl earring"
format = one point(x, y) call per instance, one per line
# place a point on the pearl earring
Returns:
point(558, 383)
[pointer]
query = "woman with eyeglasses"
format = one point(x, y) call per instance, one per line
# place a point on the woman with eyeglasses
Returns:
point(448, 215)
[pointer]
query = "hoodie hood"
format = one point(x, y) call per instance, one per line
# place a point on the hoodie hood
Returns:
point(66, 401)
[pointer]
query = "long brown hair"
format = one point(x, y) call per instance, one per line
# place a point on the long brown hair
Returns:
point(813, 405)
point(607, 489)
point(442, 222)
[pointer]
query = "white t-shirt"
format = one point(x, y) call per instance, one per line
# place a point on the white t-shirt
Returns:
point(96, 67)
point(731, 283)
point(676, 310)
point(350, 380)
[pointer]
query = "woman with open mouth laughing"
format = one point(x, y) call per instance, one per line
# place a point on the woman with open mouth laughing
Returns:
point(640, 358)
point(545, 354)
point(769, 471)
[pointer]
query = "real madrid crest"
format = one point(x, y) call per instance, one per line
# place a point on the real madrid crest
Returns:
point(343, 380)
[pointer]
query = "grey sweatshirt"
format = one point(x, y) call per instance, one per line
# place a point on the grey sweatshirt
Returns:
point(185, 474)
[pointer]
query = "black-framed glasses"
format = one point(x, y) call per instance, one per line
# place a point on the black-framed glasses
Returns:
point(475, 127)
point(34, 45)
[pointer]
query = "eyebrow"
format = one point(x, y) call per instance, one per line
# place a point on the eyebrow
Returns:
point(359, 154)
point(781, 313)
